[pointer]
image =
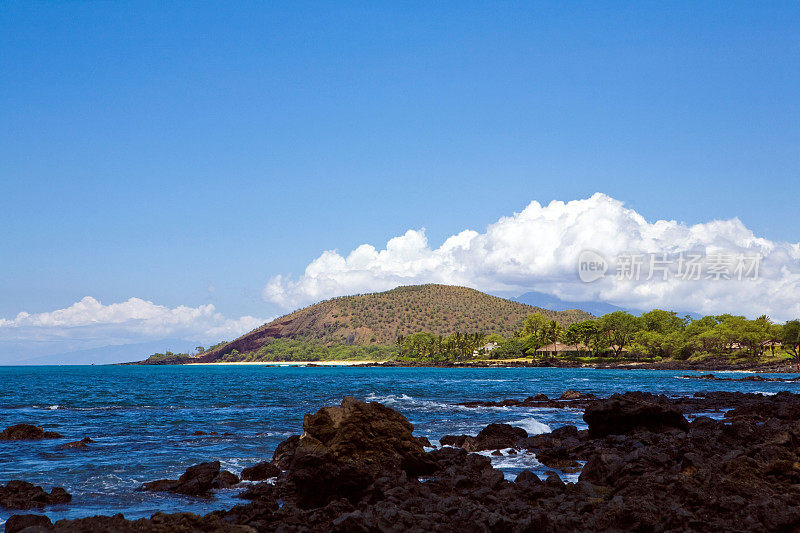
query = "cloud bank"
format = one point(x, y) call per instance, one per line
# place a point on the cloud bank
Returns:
point(538, 249)
point(89, 324)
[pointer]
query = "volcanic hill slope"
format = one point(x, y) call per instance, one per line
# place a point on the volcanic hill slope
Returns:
point(379, 318)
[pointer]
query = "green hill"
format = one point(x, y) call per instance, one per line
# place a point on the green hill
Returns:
point(374, 320)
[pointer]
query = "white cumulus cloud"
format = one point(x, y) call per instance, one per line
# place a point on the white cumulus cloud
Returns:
point(88, 323)
point(538, 249)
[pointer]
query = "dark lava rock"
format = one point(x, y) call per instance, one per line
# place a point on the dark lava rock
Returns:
point(198, 480)
point(27, 432)
point(783, 406)
point(496, 436)
point(741, 474)
point(225, 480)
point(261, 471)
point(492, 437)
point(559, 448)
point(21, 522)
point(576, 395)
point(754, 378)
point(284, 453)
point(343, 449)
point(83, 443)
point(570, 399)
point(23, 495)
point(527, 479)
point(258, 491)
point(620, 415)
point(158, 523)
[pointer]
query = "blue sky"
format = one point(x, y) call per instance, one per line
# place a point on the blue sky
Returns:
point(187, 153)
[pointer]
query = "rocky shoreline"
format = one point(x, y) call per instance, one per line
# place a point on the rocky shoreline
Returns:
point(707, 365)
point(647, 463)
point(786, 366)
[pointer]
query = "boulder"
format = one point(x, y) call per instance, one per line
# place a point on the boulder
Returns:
point(527, 479)
point(496, 436)
point(285, 452)
point(492, 437)
point(261, 471)
point(224, 480)
point(23, 495)
point(620, 416)
point(83, 443)
point(198, 480)
point(21, 522)
point(27, 432)
point(454, 440)
point(258, 491)
point(343, 449)
point(576, 395)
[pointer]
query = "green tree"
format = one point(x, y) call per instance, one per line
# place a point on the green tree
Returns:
point(663, 322)
point(619, 328)
point(535, 324)
point(537, 331)
point(647, 343)
point(790, 338)
point(586, 335)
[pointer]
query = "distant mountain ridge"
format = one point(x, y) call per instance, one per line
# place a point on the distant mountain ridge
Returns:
point(104, 355)
point(594, 307)
point(550, 301)
point(379, 318)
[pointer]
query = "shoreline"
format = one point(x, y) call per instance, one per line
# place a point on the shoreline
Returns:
point(710, 366)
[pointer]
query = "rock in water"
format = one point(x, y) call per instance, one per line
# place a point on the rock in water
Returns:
point(492, 437)
point(27, 432)
point(83, 443)
point(261, 471)
point(21, 522)
point(497, 436)
point(285, 452)
point(343, 449)
point(23, 495)
point(621, 415)
point(198, 480)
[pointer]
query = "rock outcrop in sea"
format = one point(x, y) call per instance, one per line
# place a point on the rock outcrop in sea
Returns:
point(198, 480)
point(27, 432)
point(23, 495)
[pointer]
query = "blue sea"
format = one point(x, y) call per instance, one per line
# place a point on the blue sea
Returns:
point(142, 418)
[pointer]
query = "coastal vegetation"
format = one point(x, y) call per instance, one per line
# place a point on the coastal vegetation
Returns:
point(302, 350)
point(656, 335)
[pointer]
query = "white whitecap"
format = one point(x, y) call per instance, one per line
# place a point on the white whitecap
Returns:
point(532, 426)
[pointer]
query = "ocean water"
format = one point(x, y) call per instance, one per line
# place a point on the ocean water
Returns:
point(142, 418)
